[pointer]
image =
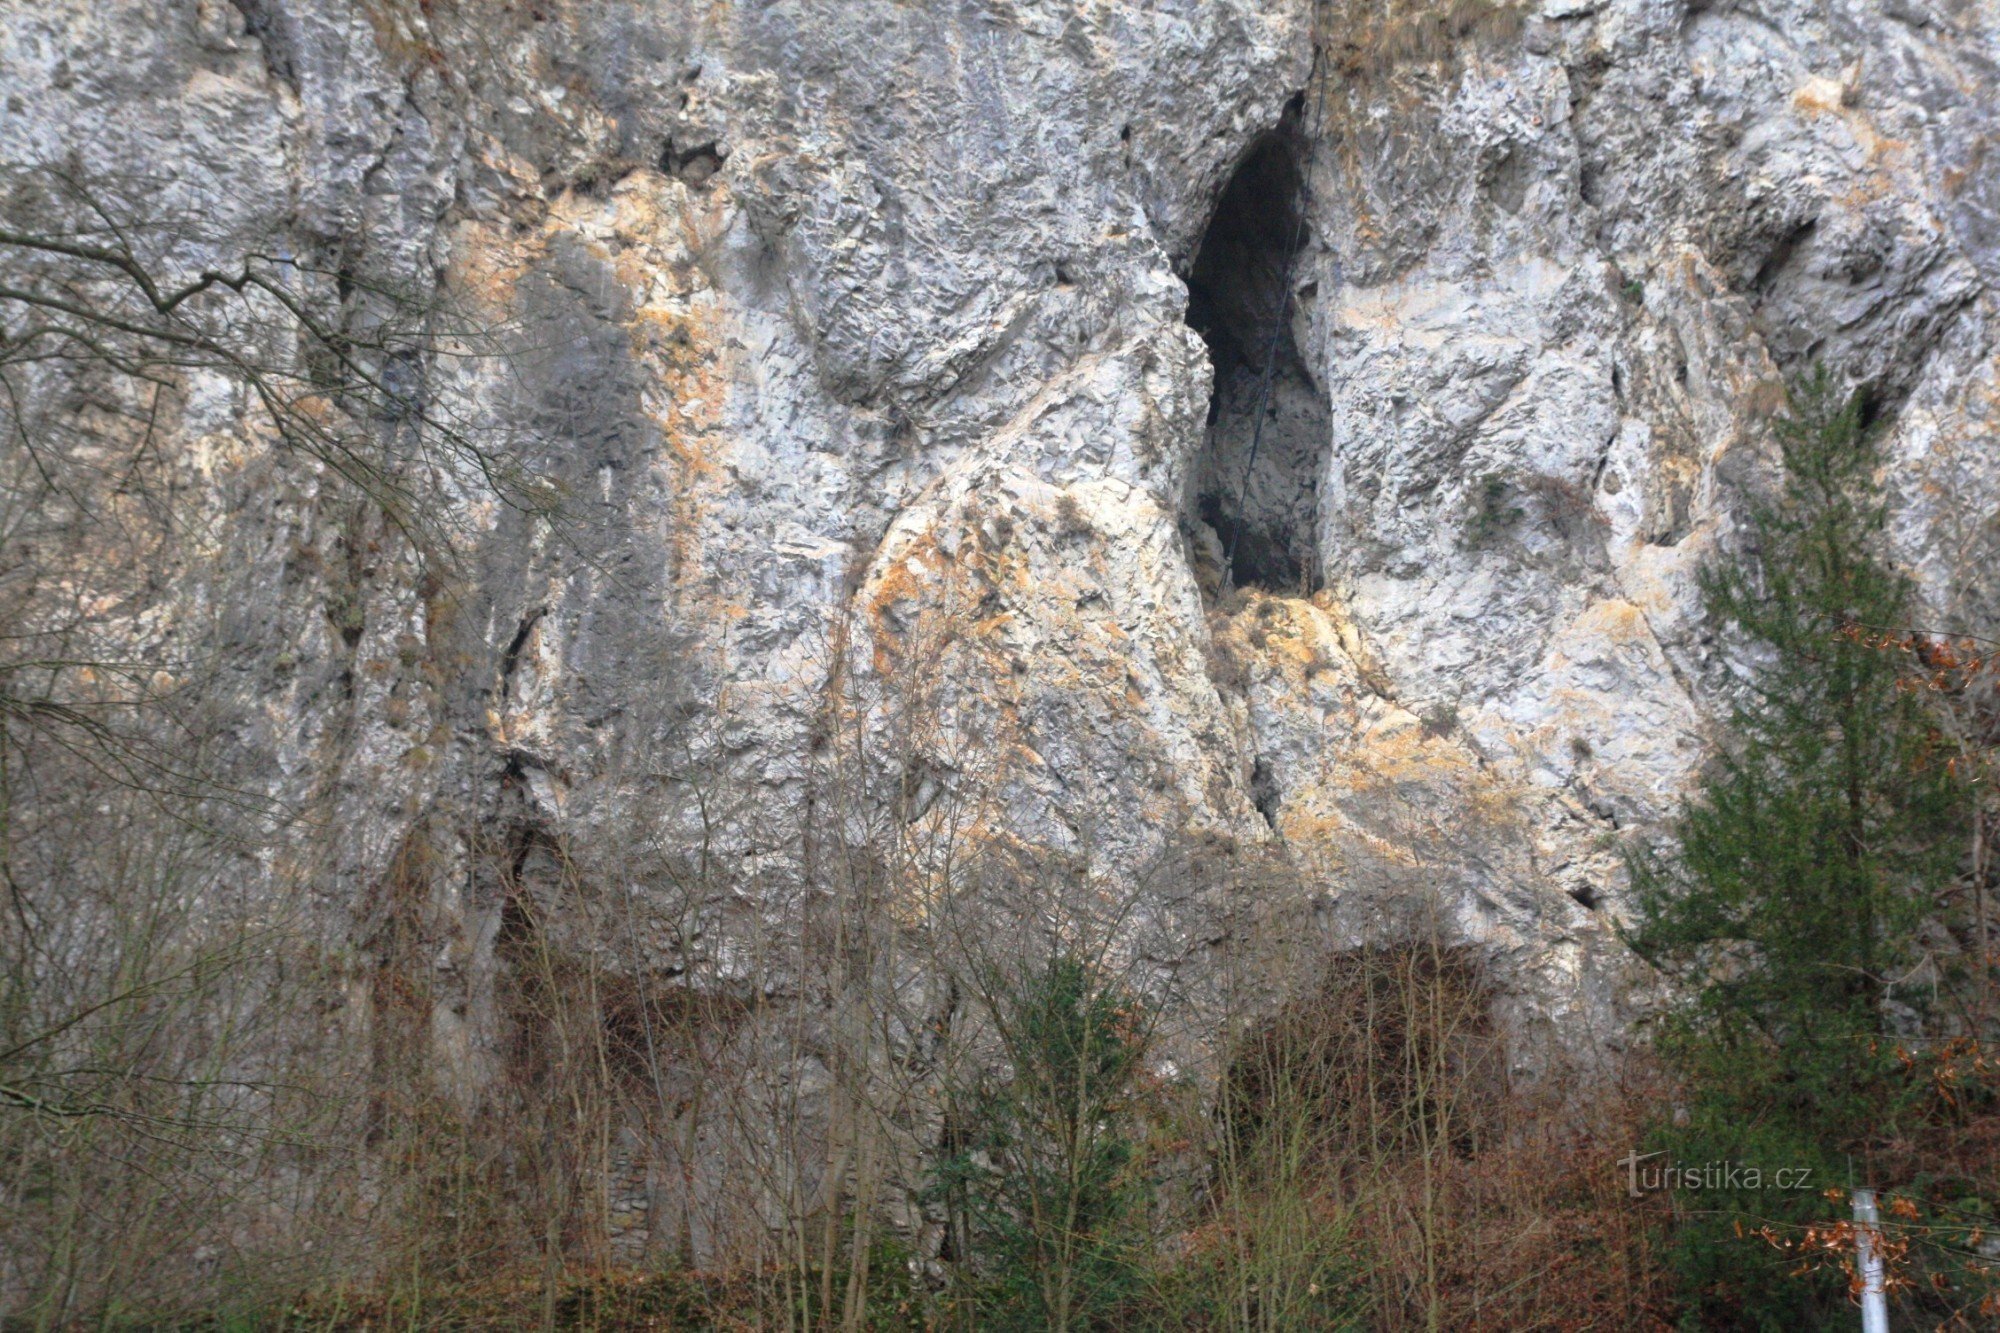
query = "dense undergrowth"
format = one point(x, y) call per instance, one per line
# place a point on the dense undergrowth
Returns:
point(1362, 1166)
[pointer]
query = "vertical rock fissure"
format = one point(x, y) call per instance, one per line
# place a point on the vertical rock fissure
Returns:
point(1256, 490)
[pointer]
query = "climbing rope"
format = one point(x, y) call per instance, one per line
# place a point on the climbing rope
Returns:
point(1283, 319)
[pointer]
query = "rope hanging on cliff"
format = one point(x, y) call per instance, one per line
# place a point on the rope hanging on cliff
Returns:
point(1279, 324)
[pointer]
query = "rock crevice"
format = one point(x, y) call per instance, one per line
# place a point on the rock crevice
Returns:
point(1256, 481)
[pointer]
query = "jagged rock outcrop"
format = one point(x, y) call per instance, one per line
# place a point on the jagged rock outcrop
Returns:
point(857, 337)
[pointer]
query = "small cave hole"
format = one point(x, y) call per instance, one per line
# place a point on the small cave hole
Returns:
point(1871, 406)
point(1264, 793)
point(1780, 258)
point(1258, 490)
point(695, 164)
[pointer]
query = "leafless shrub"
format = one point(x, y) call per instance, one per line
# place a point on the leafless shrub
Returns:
point(1071, 522)
point(1228, 666)
point(1569, 508)
point(174, 1099)
point(161, 1067)
point(1369, 1165)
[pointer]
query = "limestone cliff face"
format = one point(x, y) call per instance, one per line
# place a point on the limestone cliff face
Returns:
point(858, 336)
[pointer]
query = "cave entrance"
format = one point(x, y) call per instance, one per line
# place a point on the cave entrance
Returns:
point(1258, 490)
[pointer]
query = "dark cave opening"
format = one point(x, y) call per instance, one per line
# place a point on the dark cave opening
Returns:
point(1258, 490)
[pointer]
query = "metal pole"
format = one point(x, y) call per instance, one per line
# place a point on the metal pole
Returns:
point(1867, 1230)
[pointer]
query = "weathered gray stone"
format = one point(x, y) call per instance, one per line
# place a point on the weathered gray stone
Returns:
point(857, 335)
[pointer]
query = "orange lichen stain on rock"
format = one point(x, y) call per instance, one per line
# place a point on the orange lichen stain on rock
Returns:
point(1820, 96)
point(1388, 766)
point(1405, 753)
point(1079, 667)
point(1680, 471)
point(1765, 396)
point(671, 327)
point(1298, 638)
point(681, 345)
point(990, 627)
point(1293, 636)
point(691, 389)
point(705, 218)
point(1878, 183)
point(399, 41)
point(488, 261)
point(1615, 619)
point(315, 408)
point(907, 580)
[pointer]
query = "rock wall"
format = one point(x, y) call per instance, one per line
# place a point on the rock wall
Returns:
point(857, 336)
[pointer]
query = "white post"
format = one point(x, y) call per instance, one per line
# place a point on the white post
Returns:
point(1867, 1223)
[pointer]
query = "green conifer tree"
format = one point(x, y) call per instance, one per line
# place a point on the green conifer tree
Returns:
point(1042, 1181)
point(1811, 853)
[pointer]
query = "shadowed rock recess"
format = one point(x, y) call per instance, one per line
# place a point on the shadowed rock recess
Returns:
point(1257, 487)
